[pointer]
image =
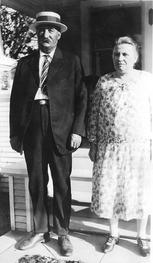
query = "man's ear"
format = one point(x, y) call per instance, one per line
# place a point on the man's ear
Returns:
point(59, 35)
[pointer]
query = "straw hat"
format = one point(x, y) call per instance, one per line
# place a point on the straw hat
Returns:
point(49, 18)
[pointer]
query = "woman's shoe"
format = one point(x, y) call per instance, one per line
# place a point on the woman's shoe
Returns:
point(143, 246)
point(110, 243)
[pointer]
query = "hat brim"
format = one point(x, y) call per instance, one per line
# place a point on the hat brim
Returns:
point(34, 26)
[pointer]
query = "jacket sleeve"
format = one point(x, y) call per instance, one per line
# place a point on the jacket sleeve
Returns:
point(16, 103)
point(80, 100)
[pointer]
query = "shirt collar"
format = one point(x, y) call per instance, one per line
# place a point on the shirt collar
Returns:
point(51, 54)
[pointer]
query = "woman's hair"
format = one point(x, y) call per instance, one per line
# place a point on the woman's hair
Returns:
point(127, 40)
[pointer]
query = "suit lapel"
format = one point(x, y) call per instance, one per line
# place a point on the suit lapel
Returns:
point(56, 64)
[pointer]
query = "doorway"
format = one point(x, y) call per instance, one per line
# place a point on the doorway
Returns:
point(106, 25)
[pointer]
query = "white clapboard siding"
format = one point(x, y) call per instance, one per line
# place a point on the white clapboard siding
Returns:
point(7, 155)
point(20, 204)
point(20, 219)
point(3, 183)
point(19, 212)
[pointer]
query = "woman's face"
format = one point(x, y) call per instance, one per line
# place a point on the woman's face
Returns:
point(124, 58)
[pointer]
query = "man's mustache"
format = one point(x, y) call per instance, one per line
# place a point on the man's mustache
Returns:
point(46, 40)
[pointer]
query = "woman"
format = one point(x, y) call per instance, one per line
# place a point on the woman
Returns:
point(120, 135)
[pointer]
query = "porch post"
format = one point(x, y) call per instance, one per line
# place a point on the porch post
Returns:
point(147, 36)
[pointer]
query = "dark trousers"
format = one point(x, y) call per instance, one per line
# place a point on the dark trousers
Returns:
point(40, 151)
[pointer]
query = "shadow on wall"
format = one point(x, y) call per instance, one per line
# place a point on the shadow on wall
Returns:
point(4, 213)
point(90, 82)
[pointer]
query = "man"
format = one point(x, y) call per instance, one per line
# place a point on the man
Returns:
point(47, 112)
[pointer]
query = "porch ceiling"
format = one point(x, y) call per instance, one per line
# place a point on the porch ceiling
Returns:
point(31, 7)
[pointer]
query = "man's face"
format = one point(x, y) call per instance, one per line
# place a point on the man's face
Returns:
point(48, 37)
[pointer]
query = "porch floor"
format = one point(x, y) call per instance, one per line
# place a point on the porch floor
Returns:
point(87, 236)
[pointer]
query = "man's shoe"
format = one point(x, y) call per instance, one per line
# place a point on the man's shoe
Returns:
point(110, 243)
point(143, 246)
point(31, 241)
point(65, 245)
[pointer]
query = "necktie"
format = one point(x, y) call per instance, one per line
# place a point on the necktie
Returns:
point(43, 78)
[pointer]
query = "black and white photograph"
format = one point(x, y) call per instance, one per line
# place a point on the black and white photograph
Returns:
point(76, 131)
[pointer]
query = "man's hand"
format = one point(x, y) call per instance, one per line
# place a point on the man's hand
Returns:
point(75, 140)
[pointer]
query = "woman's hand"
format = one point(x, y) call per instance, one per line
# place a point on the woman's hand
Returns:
point(93, 151)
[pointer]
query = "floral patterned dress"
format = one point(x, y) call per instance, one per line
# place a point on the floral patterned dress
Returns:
point(120, 124)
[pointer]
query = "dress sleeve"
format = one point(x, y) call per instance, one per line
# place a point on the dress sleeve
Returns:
point(93, 113)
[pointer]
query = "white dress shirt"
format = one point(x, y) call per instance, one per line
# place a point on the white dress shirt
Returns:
point(39, 94)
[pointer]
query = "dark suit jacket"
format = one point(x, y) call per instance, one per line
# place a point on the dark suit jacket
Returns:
point(66, 92)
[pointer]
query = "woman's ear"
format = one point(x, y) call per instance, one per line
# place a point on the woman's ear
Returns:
point(136, 56)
